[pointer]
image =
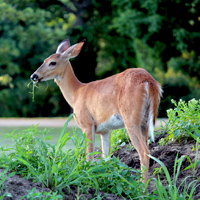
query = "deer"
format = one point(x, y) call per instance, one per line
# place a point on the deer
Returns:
point(128, 99)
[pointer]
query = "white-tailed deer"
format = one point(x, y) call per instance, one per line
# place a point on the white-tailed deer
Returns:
point(129, 99)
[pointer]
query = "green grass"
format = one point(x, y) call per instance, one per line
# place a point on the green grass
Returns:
point(172, 191)
point(5, 129)
point(58, 168)
point(54, 133)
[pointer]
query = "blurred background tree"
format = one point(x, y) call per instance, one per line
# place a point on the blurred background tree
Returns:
point(160, 36)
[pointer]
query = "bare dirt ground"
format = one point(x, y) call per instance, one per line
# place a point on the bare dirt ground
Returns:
point(19, 187)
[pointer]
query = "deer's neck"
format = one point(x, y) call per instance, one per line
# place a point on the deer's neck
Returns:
point(68, 84)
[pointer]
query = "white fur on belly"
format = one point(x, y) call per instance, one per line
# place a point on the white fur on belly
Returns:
point(114, 122)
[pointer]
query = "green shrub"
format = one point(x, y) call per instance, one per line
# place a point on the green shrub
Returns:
point(183, 120)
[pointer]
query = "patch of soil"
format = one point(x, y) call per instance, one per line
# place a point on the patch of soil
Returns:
point(19, 187)
point(167, 155)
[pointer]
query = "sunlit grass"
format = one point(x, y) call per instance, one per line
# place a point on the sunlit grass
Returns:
point(54, 133)
point(57, 168)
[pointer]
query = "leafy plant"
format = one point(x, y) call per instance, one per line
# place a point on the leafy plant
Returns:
point(172, 191)
point(158, 171)
point(25, 145)
point(32, 195)
point(183, 119)
point(115, 177)
point(98, 197)
point(119, 137)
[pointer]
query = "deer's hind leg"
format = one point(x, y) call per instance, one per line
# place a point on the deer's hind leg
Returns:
point(139, 142)
point(105, 143)
point(135, 116)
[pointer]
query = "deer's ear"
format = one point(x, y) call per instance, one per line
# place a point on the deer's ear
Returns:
point(74, 50)
point(63, 46)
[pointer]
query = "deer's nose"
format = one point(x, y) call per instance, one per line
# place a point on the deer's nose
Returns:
point(34, 77)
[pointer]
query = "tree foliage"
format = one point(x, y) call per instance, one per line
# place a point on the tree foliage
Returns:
point(160, 36)
point(28, 35)
point(171, 28)
point(165, 35)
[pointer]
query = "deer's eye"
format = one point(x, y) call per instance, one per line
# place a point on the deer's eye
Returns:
point(52, 64)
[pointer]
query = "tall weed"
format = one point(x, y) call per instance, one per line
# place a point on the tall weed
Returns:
point(194, 165)
point(183, 119)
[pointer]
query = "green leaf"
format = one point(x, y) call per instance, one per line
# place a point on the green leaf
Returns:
point(119, 188)
point(164, 168)
point(192, 165)
point(196, 134)
point(177, 132)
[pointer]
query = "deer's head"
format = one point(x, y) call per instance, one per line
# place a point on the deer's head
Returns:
point(54, 65)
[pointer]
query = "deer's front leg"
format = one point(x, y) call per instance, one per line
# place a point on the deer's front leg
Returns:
point(90, 133)
point(86, 122)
